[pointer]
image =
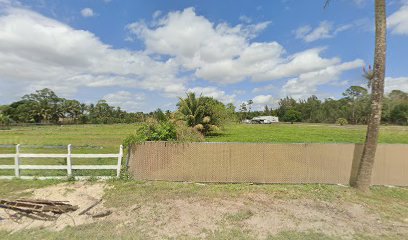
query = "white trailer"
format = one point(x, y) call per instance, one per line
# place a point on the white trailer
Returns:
point(265, 119)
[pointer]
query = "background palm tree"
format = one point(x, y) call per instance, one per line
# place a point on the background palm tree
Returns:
point(192, 109)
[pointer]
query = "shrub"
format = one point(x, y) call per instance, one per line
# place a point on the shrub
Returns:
point(341, 121)
point(188, 134)
point(292, 116)
point(153, 130)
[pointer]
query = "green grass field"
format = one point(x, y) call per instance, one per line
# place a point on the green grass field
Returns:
point(307, 133)
point(84, 139)
point(384, 206)
point(107, 138)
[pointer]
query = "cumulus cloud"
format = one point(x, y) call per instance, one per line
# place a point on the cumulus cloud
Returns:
point(179, 43)
point(264, 88)
point(64, 59)
point(260, 101)
point(400, 83)
point(213, 92)
point(263, 99)
point(324, 30)
point(126, 100)
point(308, 34)
point(87, 12)
point(222, 53)
point(306, 84)
point(398, 21)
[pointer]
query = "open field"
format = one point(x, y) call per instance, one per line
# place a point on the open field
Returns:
point(163, 210)
point(107, 138)
point(84, 139)
point(307, 133)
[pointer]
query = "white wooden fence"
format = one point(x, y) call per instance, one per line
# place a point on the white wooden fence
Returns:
point(69, 167)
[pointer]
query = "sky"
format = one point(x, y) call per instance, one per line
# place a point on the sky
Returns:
point(143, 55)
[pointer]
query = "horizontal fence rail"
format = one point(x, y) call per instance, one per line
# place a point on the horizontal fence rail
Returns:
point(17, 166)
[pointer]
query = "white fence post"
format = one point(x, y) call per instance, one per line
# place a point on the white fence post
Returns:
point(69, 163)
point(17, 161)
point(119, 160)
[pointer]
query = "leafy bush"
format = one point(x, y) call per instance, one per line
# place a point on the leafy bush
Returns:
point(292, 116)
point(188, 134)
point(157, 131)
point(341, 121)
point(399, 114)
point(153, 130)
point(4, 120)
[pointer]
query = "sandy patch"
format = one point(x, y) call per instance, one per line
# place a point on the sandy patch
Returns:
point(196, 217)
point(81, 194)
point(257, 213)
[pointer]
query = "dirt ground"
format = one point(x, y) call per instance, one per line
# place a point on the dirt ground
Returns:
point(258, 213)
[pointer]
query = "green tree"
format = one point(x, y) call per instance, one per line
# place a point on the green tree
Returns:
point(399, 114)
point(292, 116)
point(45, 105)
point(357, 99)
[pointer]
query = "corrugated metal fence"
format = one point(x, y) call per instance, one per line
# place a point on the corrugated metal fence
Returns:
point(264, 162)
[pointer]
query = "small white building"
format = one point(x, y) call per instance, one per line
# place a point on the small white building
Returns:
point(265, 119)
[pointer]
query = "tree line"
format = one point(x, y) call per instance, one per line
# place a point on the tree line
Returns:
point(354, 107)
point(205, 113)
point(45, 107)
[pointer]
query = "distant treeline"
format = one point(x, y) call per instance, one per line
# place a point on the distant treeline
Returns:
point(354, 107)
point(45, 107)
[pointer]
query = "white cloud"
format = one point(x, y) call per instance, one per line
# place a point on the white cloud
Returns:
point(260, 101)
point(126, 100)
point(156, 14)
point(306, 84)
point(360, 3)
point(263, 99)
point(222, 53)
point(65, 59)
point(87, 12)
point(245, 19)
point(398, 21)
point(213, 92)
point(323, 31)
point(400, 83)
point(264, 88)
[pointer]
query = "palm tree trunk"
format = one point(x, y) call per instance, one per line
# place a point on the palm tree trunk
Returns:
point(363, 180)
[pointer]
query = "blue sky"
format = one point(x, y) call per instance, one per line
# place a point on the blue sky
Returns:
point(142, 55)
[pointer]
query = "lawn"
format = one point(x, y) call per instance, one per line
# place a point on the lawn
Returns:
point(306, 133)
point(107, 138)
point(54, 139)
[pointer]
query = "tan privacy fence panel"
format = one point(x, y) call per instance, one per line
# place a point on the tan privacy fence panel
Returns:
point(264, 162)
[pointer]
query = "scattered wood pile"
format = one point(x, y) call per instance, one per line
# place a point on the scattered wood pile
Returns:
point(37, 208)
point(46, 210)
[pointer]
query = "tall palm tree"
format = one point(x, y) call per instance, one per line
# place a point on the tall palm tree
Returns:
point(376, 82)
point(363, 180)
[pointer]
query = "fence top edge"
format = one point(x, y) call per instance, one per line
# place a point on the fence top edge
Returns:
point(271, 143)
